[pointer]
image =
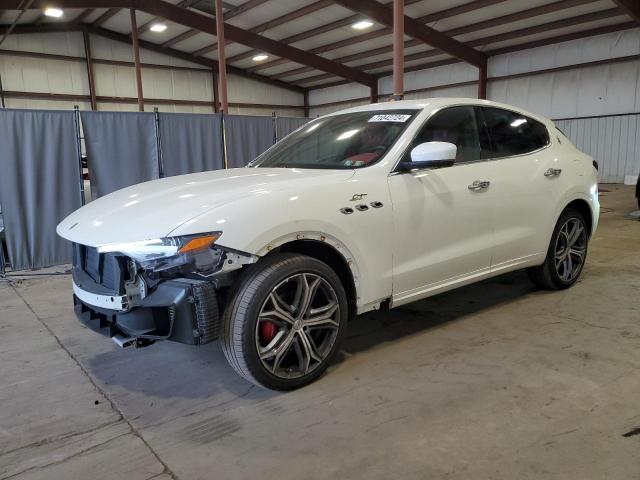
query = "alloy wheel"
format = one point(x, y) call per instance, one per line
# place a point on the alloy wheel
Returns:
point(570, 249)
point(297, 325)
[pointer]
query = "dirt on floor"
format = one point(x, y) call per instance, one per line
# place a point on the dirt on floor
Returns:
point(493, 381)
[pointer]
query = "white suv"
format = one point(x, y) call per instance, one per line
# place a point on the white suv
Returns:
point(367, 208)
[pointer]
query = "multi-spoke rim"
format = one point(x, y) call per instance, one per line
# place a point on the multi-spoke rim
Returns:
point(570, 250)
point(297, 325)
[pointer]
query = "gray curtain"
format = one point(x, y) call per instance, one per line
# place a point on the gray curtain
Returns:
point(286, 125)
point(190, 143)
point(246, 138)
point(39, 184)
point(121, 149)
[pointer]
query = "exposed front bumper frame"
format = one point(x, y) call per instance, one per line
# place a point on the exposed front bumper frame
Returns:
point(180, 310)
point(117, 303)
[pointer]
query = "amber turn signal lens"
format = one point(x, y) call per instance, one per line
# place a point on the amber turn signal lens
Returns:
point(199, 243)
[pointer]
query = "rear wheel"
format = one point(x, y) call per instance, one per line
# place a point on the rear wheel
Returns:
point(566, 254)
point(284, 322)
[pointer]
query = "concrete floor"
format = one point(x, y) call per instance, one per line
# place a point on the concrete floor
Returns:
point(495, 380)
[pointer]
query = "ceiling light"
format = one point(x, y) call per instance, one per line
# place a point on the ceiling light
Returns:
point(158, 27)
point(362, 24)
point(53, 12)
point(260, 57)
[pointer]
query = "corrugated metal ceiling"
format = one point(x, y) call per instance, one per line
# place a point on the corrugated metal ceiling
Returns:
point(374, 54)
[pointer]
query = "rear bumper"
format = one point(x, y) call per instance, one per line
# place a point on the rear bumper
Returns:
point(180, 310)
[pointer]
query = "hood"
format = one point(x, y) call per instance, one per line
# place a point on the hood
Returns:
point(154, 209)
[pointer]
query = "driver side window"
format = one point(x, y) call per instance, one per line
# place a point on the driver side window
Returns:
point(455, 125)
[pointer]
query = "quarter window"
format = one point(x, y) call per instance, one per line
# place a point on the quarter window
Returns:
point(455, 125)
point(512, 133)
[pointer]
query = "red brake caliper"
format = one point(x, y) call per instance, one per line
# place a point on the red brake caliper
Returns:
point(268, 330)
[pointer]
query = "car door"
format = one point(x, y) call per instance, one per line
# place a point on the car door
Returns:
point(524, 171)
point(442, 217)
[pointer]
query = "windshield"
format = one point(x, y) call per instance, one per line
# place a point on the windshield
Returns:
point(351, 140)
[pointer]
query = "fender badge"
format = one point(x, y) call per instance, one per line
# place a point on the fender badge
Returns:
point(357, 196)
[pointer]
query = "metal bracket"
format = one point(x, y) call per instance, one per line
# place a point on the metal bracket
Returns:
point(122, 341)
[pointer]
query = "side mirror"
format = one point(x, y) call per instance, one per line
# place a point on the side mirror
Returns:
point(431, 155)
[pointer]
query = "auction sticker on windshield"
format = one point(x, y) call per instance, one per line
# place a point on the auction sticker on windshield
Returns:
point(390, 117)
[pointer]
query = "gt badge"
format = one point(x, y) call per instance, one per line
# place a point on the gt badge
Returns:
point(357, 196)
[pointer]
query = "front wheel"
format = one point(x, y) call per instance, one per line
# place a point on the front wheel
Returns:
point(284, 322)
point(566, 254)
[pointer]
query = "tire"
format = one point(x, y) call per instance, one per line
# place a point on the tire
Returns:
point(285, 321)
point(557, 274)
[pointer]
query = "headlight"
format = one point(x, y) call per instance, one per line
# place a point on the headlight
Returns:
point(164, 252)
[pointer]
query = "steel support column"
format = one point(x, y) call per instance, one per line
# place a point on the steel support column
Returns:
point(222, 62)
point(136, 57)
point(216, 100)
point(398, 50)
point(90, 77)
point(1, 94)
point(373, 96)
point(482, 81)
point(305, 97)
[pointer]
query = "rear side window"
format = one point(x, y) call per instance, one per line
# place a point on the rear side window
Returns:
point(512, 133)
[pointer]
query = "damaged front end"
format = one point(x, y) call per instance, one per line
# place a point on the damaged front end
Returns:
point(165, 289)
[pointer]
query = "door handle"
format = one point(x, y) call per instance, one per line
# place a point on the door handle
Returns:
point(479, 185)
point(553, 172)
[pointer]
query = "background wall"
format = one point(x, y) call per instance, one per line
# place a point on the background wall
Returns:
point(572, 81)
point(590, 86)
point(614, 141)
point(523, 79)
point(27, 79)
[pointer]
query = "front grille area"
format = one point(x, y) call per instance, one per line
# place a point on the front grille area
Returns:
point(92, 263)
point(179, 309)
point(208, 324)
point(106, 269)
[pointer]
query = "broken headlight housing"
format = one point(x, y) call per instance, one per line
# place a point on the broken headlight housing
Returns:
point(164, 253)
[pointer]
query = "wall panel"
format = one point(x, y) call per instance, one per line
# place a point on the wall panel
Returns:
point(337, 94)
point(115, 81)
point(43, 75)
point(149, 106)
point(118, 107)
point(599, 47)
point(177, 84)
point(109, 50)
point(246, 90)
point(581, 91)
point(63, 43)
point(446, 74)
point(613, 141)
point(267, 111)
point(467, 91)
point(324, 110)
point(41, 104)
point(55, 76)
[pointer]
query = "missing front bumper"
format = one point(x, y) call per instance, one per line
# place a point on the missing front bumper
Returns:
point(180, 310)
